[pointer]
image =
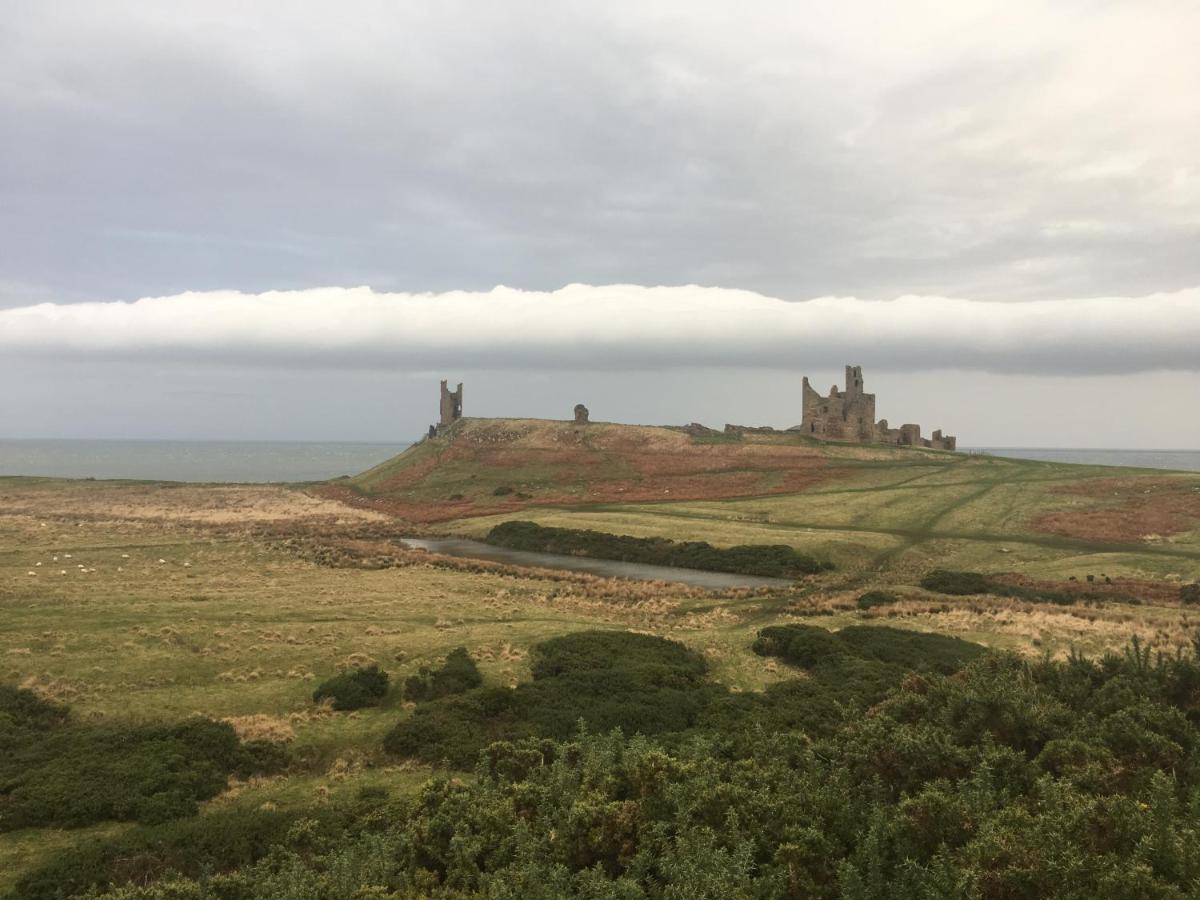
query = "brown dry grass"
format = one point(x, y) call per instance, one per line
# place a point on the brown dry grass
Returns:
point(557, 463)
point(1130, 510)
point(261, 727)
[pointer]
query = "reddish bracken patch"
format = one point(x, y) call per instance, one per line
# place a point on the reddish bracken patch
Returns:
point(1133, 510)
point(1154, 593)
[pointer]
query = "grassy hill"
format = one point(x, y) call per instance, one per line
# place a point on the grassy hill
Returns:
point(484, 466)
point(879, 512)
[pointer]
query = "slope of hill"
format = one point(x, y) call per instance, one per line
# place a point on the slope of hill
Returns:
point(485, 466)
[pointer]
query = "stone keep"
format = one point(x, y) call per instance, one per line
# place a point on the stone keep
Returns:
point(849, 415)
point(451, 405)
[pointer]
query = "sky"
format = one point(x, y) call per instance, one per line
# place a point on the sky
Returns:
point(290, 220)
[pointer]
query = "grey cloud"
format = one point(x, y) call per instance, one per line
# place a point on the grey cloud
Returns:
point(874, 150)
point(583, 327)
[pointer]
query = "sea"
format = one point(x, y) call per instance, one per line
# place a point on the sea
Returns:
point(196, 461)
point(1175, 460)
point(295, 461)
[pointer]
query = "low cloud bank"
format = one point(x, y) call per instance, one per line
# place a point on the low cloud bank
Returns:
point(586, 327)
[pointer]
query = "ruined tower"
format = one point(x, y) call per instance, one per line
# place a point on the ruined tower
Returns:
point(849, 415)
point(451, 405)
point(842, 416)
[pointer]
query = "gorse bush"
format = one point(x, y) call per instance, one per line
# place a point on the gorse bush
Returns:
point(769, 560)
point(811, 647)
point(1007, 779)
point(872, 599)
point(56, 772)
point(606, 679)
point(457, 674)
point(354, 689)
point(959, 583)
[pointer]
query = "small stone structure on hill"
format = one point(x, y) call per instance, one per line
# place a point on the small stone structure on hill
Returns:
point(849, 415)
point(451, 406)
point(581, 414)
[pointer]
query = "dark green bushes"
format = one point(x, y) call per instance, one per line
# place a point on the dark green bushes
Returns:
point(872, 599)
point(1189, 594)
point(54, 771)
point(354, 689)
point(769, 560)
point(606, 679)
point(811, 647)
point(457, 674)
point(960, 583)
point(203, 846)
point(1009, 779)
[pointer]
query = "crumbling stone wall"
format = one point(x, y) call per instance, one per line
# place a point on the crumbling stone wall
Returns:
point(451, 405)
point(849, 415)
point(842, 416)
point(581, 414)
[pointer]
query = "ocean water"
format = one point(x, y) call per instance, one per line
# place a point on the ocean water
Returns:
point(260, 461)
point(201, 461)
point(1178, 460)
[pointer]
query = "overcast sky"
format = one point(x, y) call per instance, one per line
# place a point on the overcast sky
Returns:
point(289, 220)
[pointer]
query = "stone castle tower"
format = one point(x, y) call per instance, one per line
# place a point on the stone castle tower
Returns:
point(842, 416)
point(451, 405)
point(849, 415)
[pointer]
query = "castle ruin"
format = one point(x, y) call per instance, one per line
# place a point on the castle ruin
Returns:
point(849, 415)
point(845, 415)
point(451, 406)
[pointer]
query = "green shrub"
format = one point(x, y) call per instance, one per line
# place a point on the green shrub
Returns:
point(457, 674)
point(915, 650)
point(589, 651)
point(958, 583)
point(639, 683)
point(23, 709)
point(768, 560)
point(502, 491)
point(810, 647)
point(57, 772)
point(354, 689)
point(871, 599)
point(1011, 778)
point(806, 646)
point(1189, 594)
point(215, 842)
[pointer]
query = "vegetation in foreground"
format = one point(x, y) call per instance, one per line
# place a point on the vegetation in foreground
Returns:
point(769, 560)
point(1007, 778)
point(65, 773)
point(149, 603)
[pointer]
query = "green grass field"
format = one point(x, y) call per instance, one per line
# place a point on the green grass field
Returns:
point(156, 601)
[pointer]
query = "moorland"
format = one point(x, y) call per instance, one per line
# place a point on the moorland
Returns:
point(992, 639)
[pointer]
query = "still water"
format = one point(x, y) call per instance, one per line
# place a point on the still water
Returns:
point(608, 568)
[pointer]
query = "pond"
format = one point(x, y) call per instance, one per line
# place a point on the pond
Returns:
point(608, 568)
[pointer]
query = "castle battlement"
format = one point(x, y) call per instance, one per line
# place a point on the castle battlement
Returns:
point(849, 415)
